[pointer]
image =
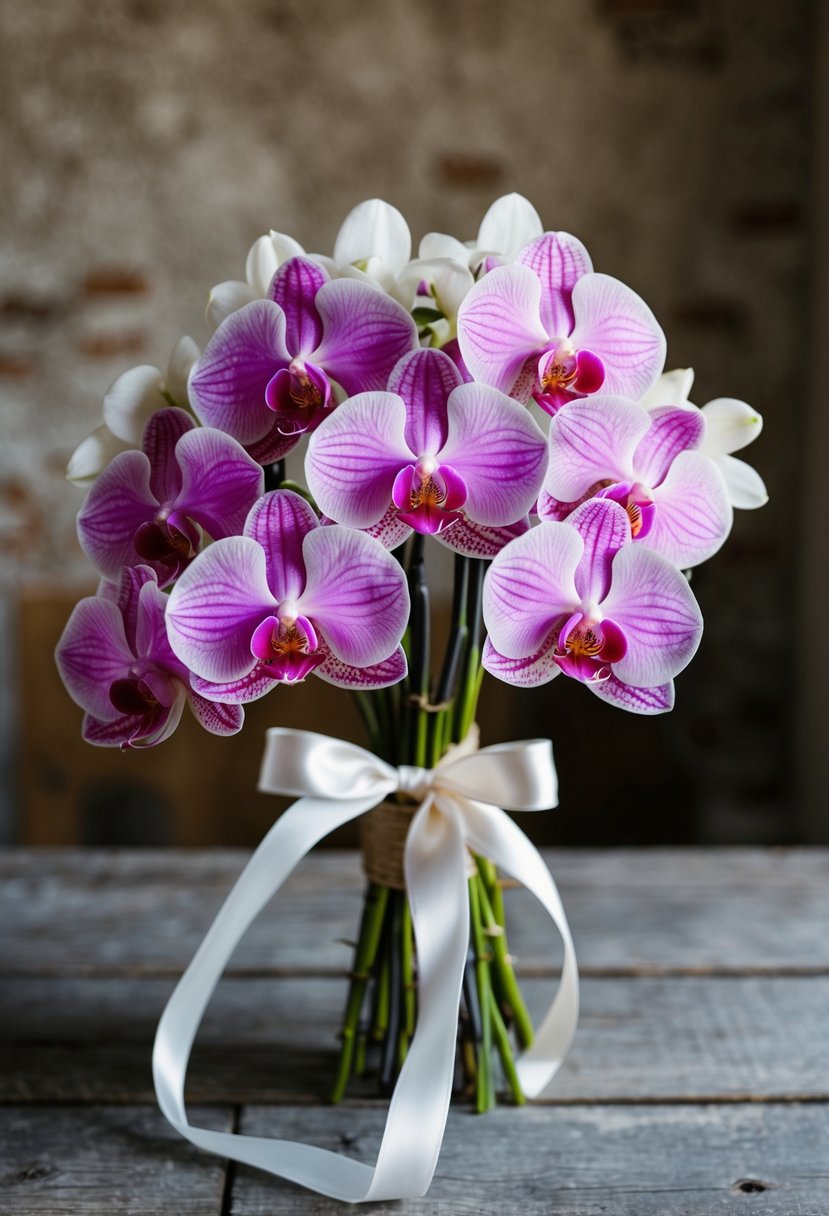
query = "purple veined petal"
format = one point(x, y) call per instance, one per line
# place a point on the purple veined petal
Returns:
point(593, 440)
point(216, 605)
point(116, 733)
point(273, 446)
point(125, 594)
point(391, 531)
point(365, 333)
point(616, 324)
point(558, 260)
point(130, 401)
point(215, 717)
point(746, 488)
point(554, 509)
point(354, 456)
point(499, 326)
point(453, 350)
point(693, 513)
point(227, 298)
point(161, 434)
point(279, 522)
point(529, 585)
point(356, 593)
point(604, 528)
point(651, 602)
point(529, 672)
point(498, 449)
point(374, 229)
point(729, 425)
point(378, 675)
point(115, 507)
point(227, 385)
point(424, 379)
point(478, 540)
point(247, 688)
point(220, 482)
point(92, 654)
point(294, 289)
point(672, 430)
point(151, 640)
point(658, 700)
point(508, 225)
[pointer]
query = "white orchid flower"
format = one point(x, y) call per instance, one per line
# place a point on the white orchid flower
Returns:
point(128, 404)
point(729, 426)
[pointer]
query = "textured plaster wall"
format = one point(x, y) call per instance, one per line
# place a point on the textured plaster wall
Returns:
point(145, 145)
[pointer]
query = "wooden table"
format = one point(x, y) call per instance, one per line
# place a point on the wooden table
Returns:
point(698, 1082)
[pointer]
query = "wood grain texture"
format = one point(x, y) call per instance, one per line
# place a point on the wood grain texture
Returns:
point(105, 1160)
point(646, 911)
point(582, 1161)
point(639, 1040)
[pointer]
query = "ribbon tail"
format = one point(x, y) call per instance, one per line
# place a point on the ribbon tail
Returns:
point(291, 837)
point(490, 832)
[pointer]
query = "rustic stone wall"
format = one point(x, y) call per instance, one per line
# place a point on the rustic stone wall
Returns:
point(145, 145)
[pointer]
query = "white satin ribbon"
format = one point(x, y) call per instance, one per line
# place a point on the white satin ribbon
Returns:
point(460, 809)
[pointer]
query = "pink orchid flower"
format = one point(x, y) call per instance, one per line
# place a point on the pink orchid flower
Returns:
point(648, 462)
point(116, 663)
point(432, 454)
point(287, 598)
point(266, 376)
point(149, 507)
point(548, 327)
point(578, 597)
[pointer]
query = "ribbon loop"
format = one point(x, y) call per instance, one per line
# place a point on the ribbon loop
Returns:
point(338, 782)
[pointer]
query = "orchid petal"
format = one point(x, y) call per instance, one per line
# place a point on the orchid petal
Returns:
point(693, 513)
point(672, 430)
point(265, 257)
point(593, 440)
point(604, 528)
point(499, 325)
point(227, 298)
point(529, 672)
point(92, 653)
point(130, 401)
point(227, 386)
point(151, 629)
point(530, 584)
point(356, 592)
point(672, 388)
point(656, 700)
point(746, 488)
point(92, 456)
point(391, 531)
point(273, 446)
point(354, 456)
point(616, 324)
point(499, 451)
point(218, 718)
point(182, 358)
point(164, 725)
point(116, 733)
point(652, 603)
point(558, 260)
point(439, 245)
point(247, 688)
point(508, 225)
point(125, 594)
point(365, 333)
point(279, 522)
point(161, 434)
point(219, 481)
point(378, 675)
point(450, 281)
point(294, 289)
point(115, 507)
point(215, 606)
point(425, 379)
point(479, 540)
point(374, 229)
point(729, 425)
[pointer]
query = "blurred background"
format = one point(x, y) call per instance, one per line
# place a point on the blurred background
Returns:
point(145, 145)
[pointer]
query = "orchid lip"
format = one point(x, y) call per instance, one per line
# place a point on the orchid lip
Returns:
point(428, 495)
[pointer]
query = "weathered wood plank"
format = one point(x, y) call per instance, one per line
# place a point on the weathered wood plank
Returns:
point(640, 1039)
point(661, 910)
point(579, 1161)
point(65, 1161)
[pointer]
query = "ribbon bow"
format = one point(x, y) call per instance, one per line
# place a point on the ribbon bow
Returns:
point(460, 809)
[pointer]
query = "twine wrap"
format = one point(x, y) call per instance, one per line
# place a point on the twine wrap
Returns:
point(383, 833)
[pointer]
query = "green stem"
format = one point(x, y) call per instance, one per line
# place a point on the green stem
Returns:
point(505, 1051)
point(371, 927)
point(407, 970)
point(484, 1096)
point(502, 965)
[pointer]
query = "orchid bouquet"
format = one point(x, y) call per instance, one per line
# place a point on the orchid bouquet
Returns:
point(499, 397)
